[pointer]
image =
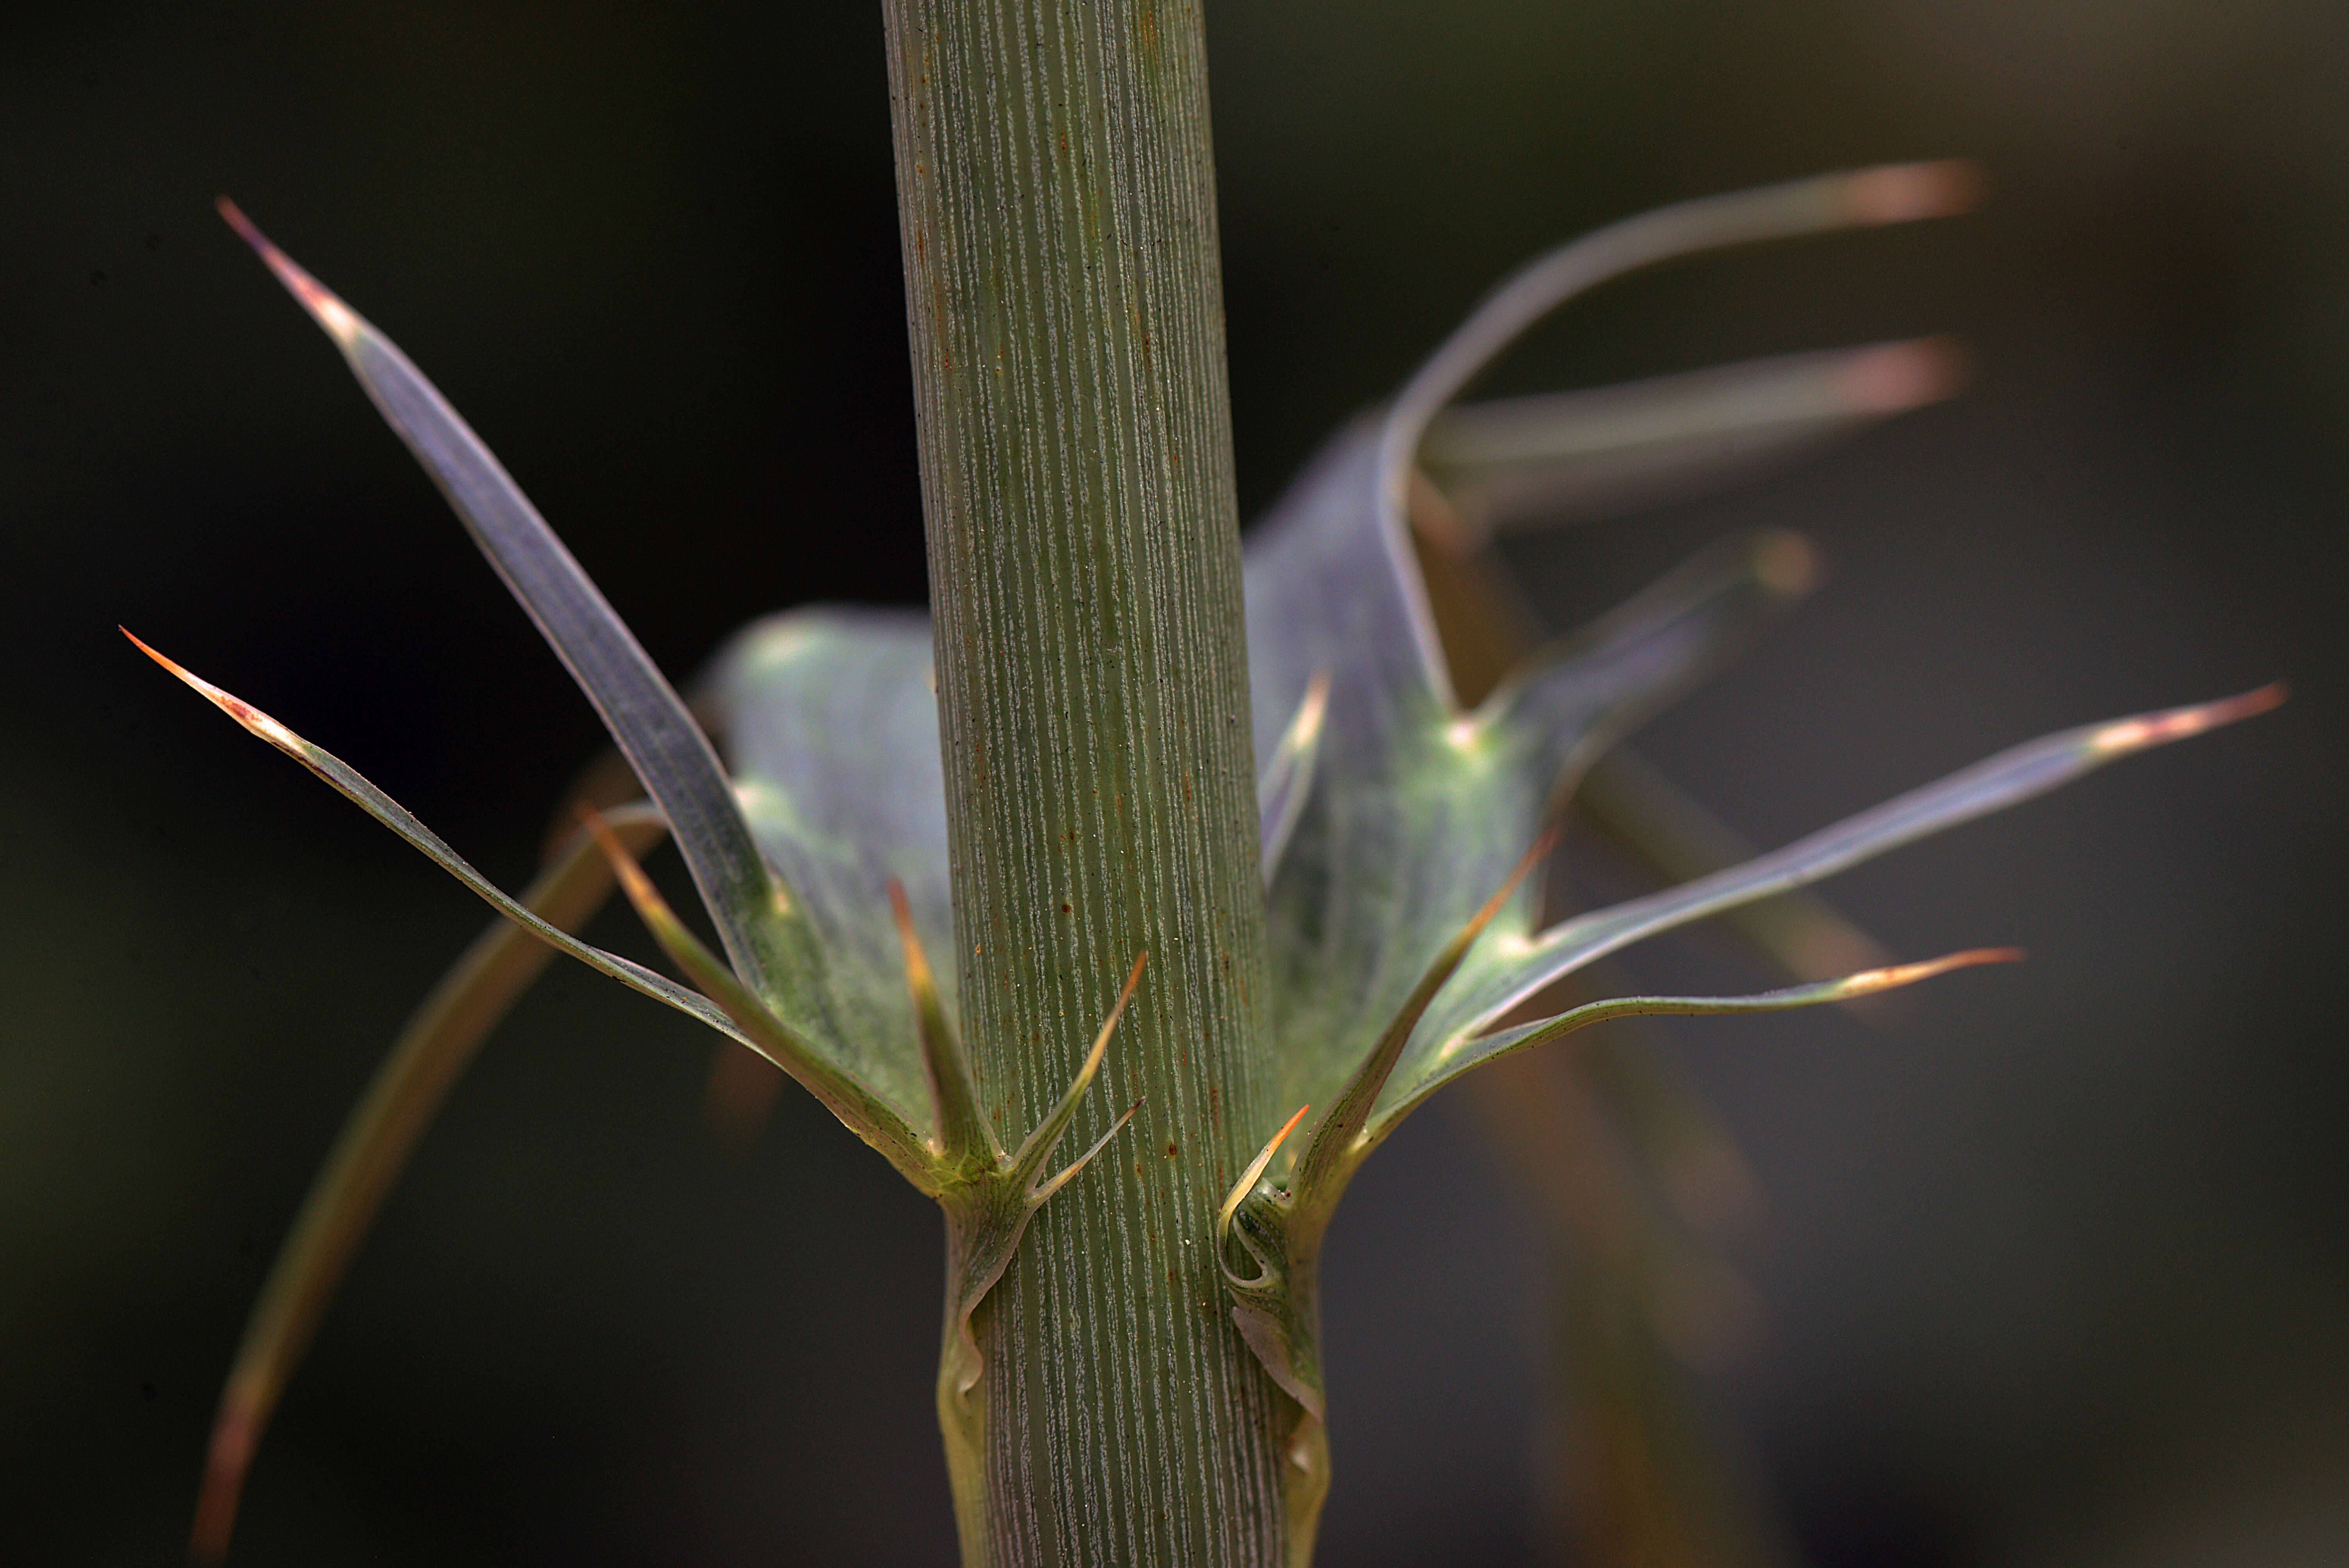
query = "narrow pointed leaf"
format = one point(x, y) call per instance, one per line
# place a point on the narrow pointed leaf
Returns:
point(1892, 193)
point(1867, 983)
point(959, 1129)
point(1625, 798)
point(1859, 198)
point(355, 786)
point(858, 1109)
point(1039, 1144)
point(1571, 456)
point(406, 1091)
point(645, 715)
point(1256, 1167)
point(1077, 1165)
point(1505, 974)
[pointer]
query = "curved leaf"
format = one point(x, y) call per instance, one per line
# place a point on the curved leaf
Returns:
point(432, 1052)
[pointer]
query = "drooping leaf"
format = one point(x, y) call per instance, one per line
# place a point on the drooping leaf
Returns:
point(771, 947)
point(373, 1148)
point(1861, 198)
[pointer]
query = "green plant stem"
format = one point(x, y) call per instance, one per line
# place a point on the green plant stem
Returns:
point(1057, 204)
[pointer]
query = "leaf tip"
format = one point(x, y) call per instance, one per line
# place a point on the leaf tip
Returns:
point(1898, 377)
point(235, 1432)
point(1109, 1024)
point(342, 323)
point(1307, 726)
point(1255, 1172)
point(2135, 733)
point(1903, 192)
point(632, 880)
point(1785, 563)
point(233, 216)
point(236, 707)
point(1892, 977)
point(917, 962)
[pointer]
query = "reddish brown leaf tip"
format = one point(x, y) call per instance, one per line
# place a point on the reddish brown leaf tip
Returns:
point(1909, 974)
point(236, 707)
point(1785, 562)
point(151, 652)
point(2177, 723)
point(1901, 375)
point(917, 962)
point(339, 320)
point(233, 215)
point(1903, 192)
point(632, 880)
point(234, 1432)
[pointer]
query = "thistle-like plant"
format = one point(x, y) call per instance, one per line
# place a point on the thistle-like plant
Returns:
point(1396, 830)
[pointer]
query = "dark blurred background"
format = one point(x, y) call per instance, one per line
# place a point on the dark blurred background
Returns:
point(2056, 1267)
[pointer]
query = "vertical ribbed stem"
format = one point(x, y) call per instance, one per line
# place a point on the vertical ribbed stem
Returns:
point(1057, 204)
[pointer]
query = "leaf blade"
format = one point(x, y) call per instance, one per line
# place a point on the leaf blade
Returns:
point(644, 713)
point(355, 786)
point(1539, 460)
point(1501, 979)
point(1867, 983)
